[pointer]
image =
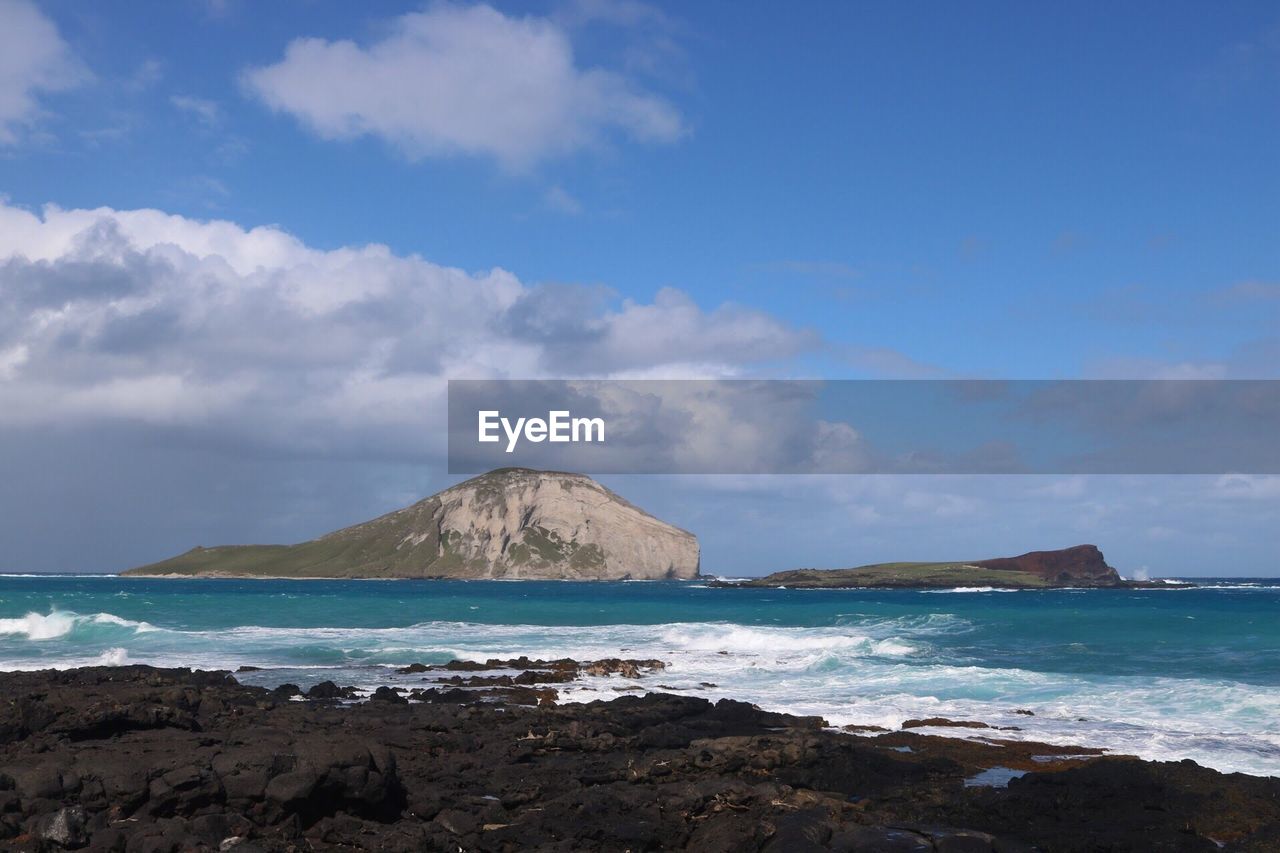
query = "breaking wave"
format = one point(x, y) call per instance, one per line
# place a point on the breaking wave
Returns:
point(37, 626)
point(970, 589)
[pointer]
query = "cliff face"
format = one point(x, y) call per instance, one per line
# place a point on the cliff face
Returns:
point(509, 523)
point(1081, 563)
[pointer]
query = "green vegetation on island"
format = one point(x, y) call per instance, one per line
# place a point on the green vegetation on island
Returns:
point(911, 575)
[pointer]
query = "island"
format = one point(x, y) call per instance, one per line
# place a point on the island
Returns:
point(508, 523)
point(1078, 566)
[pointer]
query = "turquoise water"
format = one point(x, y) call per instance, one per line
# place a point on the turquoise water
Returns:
point(1163, 673)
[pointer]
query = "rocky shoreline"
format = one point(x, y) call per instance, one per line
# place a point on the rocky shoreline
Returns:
point(482, 758)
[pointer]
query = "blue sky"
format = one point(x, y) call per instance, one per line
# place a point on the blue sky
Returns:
point(840, 190)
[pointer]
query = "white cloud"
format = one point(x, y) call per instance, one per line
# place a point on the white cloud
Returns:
point(33, 59)
point(1252, 290)
point(148, 73)
point(941, 504)
point(623, 13)
point(205, 111)
point(11, 359)
point(1067, 487)
point(463, 80)
point(143, 316)
point(1247, 487)
point(560, 200)
point(1149, 368)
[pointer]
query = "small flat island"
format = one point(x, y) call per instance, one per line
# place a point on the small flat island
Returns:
point(1079, 566)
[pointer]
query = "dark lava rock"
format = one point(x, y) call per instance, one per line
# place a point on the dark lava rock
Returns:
point(412, 668)
point(944, 722)
point(625, 668)
point(324, 690)
point(387, 694)
point(67, 827)
point(219, 766)
point(329, 690)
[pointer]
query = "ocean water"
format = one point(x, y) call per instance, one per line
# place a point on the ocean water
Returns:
point(1165, 673)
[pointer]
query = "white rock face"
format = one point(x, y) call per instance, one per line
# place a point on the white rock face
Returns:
point(518, 523)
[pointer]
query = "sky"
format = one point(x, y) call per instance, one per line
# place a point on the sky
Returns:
point(243, 245)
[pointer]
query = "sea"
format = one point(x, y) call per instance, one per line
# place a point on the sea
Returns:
point(1165, 674)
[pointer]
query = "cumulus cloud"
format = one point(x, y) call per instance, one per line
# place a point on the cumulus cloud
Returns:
point(146, 317)
point(33, 59)
point(463, 80)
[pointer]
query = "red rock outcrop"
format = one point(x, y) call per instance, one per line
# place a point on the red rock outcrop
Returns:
point(1083, 564)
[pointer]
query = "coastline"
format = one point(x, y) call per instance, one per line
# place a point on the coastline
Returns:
point(1079, 566)
point(229, 766)
point(1080, 661)
point(233, 577)
point(707, 580)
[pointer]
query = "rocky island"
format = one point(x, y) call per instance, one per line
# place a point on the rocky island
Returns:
point(508, 523)
point(1079, 566)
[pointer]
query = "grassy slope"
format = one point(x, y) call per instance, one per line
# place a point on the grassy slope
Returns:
point(901, 574)
point(310, 559)
point(372, 549)
point(365, 554)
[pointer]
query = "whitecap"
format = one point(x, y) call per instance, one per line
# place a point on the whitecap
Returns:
point(114, 657)
point(972, 589)
point(60, 623)
point(37, 626)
